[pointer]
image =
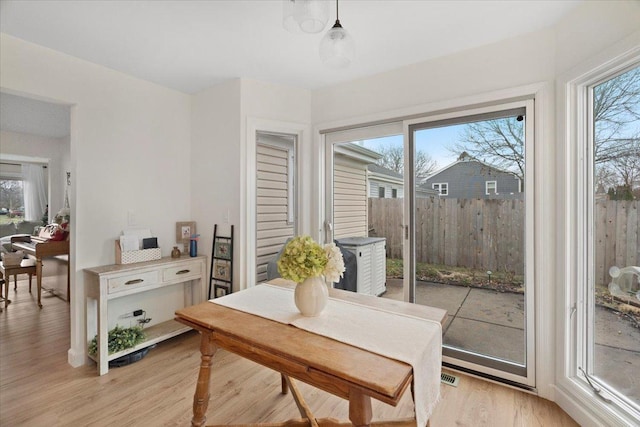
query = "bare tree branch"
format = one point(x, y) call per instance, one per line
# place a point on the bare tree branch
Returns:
point(393, 158)
point(616, 112)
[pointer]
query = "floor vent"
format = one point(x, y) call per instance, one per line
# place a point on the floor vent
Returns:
point(449, 379)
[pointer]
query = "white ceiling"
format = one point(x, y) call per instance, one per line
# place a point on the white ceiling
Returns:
point(192, 45)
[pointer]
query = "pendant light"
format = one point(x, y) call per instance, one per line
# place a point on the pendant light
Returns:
point(337, 47)
point(309, 16)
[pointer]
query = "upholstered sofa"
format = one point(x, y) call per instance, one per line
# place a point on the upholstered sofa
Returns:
point(22, 228)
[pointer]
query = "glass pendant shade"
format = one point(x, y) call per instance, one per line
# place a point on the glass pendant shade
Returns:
point(337, 48)
point(309, 16)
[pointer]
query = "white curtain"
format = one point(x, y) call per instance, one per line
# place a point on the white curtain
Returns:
point(35, 191)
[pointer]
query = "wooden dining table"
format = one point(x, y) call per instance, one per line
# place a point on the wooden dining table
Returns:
point(343, 370)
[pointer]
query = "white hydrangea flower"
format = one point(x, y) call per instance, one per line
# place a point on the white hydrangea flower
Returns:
point(334, 269)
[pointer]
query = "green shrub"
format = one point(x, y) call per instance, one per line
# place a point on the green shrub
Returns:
point(119, 339)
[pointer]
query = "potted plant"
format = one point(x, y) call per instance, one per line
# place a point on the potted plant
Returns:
point(119, 339)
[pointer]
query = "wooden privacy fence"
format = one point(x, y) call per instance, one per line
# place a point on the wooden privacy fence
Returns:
point(617, 236)
point(489, 234)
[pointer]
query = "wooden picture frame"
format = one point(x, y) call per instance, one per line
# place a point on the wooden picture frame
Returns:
point(222, 270)
point(221, 291)
point(222, 250)
point(184, 230)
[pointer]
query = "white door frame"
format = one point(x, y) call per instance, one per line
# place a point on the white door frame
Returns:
point(248, 202)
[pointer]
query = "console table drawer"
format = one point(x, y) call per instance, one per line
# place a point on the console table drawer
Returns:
point(132, 281)
point(182, 272)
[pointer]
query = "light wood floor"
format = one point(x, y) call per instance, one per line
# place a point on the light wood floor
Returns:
point(39, 388)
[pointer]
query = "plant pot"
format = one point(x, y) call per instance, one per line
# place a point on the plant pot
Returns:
point(311, 296)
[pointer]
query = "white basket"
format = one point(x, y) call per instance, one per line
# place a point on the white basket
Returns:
point(11, 259)
point(142, 255)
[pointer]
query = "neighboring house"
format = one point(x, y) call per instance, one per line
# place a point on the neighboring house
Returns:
point(423, 191)
point(350, 206)
point(384, 183)
point(470, 178)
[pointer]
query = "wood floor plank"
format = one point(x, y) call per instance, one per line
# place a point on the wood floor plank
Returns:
point(39, 388)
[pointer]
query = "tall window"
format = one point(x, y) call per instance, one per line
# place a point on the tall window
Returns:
point(11, 193)
point(11, 200)
point(608, 358)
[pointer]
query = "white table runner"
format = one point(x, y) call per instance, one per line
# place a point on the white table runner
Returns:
point(408, 339)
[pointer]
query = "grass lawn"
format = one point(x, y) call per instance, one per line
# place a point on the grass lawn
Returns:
point(4, 219)
point(504, 281)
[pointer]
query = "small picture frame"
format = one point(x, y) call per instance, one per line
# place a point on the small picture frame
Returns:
point(222, 270)
point(221, 291)
point(184, 230)
point(222, 250)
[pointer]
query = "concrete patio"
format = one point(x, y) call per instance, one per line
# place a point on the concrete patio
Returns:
point(492, 323)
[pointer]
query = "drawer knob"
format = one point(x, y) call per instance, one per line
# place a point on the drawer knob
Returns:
point(134, 281)
point(183, 271)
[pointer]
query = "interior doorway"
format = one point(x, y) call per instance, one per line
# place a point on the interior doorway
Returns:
point(35, 132)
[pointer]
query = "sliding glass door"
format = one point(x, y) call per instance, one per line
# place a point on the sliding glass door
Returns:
point(470, 235)
point(365, 205)
point(438, 211)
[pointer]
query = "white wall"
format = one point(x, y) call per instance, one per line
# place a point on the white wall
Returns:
point(514, 62)
point(215, 163)
point(57, 150)
point(130, 152)
point(592, 28)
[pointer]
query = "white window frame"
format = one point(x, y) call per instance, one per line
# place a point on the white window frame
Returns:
point(574, 309)
point(382, 192)
point(495, 187)
point(291, 184)
point(439, 186)
point(394, 193)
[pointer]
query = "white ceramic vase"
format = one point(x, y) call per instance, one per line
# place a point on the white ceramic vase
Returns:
point(311, 296)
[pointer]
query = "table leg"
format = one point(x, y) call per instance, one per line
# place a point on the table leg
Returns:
point(39, 280)
point(201, 398)
point(360, 413)
point(6, 292)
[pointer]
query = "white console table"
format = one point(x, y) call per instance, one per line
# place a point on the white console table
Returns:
point(107, 283)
